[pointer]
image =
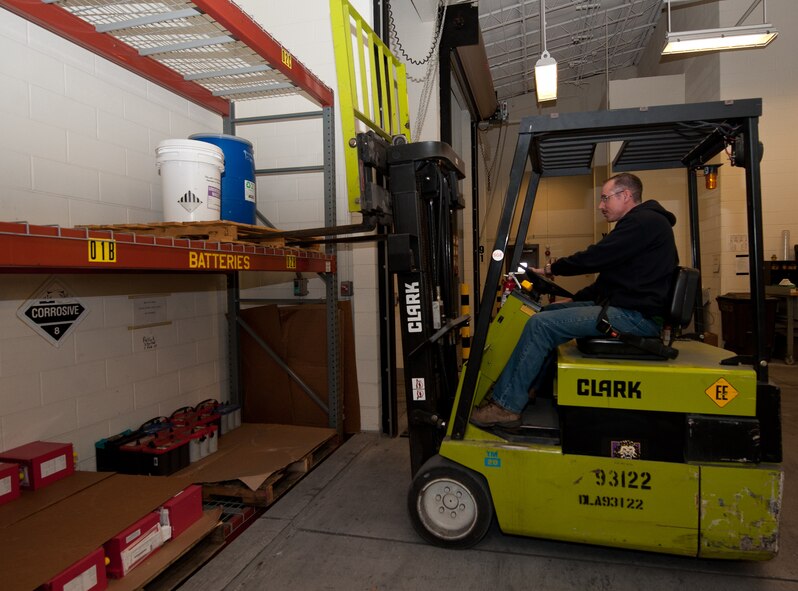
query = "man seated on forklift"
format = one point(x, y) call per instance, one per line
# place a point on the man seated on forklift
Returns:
point(635, 263)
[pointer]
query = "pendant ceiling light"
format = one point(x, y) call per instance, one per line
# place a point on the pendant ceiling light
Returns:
point(546, 66)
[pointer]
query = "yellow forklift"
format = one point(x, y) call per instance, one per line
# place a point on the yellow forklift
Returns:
point(671, 447)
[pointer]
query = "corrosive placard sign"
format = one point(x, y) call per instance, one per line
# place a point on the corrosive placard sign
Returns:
point(52, 312)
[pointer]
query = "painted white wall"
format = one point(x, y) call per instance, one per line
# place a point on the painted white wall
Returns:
point(769, 74)
point(772, 74)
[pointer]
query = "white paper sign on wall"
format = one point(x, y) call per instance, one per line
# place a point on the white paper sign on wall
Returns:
point(53, 312)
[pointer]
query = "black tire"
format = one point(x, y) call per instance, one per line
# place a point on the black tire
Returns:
point(449, 505)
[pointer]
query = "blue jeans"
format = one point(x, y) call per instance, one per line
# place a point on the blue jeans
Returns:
point(545, 331)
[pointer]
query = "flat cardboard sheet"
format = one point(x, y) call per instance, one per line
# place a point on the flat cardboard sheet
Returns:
point(167, 554)
point(253, 452)
point(30, 502)
point(35, 549)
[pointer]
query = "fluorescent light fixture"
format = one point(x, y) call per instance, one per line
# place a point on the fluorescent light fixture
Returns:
point(717, 39)
point(546, 66)
point(546, 78)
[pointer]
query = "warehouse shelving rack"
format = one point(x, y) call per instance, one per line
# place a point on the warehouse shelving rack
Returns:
point(211, 53)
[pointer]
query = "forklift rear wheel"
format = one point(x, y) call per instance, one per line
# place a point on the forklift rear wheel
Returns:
point(449, 504)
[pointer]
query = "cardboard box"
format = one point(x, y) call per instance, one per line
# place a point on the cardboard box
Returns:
point(265, 383)
point(182, 510)
point(9, 482)
point(87, 574)
point(298, 335)
point(35, 549)
point(41, 462)
point(133, 545)
point(168, 554)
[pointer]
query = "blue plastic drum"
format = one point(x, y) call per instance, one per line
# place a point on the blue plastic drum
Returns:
point(238, 179)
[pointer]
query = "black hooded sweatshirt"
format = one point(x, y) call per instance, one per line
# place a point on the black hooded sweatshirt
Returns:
point(635, 262)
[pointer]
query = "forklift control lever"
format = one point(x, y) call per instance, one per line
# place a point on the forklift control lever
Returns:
point(428, 418)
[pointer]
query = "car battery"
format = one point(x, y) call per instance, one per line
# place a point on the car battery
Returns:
point(107, 450)
point(130, 547)
point(207, 413)
point(41, 462)
point(156, 425)
point(132, 459)
point(184, 417)
point(87, 574)
point(182, 510)
point(165, 455)
point(196, 439)
point(9, 482)
point(230, 417)
point(203, 441)
point(213, 439)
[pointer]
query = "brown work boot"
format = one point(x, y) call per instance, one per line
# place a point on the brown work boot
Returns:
point(493, 415)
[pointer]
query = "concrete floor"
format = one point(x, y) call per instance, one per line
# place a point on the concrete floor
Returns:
point(345, 527)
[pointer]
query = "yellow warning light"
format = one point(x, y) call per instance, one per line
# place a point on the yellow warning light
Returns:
point(721, 392)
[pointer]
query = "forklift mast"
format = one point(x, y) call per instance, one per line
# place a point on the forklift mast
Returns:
point(413, 189)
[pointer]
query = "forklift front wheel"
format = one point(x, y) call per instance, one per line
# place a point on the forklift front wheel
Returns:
point(449, 504)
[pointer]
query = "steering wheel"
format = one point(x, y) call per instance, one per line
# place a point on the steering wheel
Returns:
point(545, 286)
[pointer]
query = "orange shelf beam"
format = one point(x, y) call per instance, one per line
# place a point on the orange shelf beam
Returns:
point(24, 247)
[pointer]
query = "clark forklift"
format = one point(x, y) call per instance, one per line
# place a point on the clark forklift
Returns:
point(670, 447)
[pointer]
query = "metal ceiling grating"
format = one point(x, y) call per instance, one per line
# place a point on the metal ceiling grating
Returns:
point(586, 37)
point(208, 51)
point(178, 35)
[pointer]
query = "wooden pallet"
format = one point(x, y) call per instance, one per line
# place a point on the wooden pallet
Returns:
point(219, 231)
point(277, 484)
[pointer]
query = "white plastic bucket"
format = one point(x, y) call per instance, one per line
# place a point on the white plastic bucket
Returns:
point(191, 182)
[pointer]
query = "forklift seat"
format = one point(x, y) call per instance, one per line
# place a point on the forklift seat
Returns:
point(684, 289)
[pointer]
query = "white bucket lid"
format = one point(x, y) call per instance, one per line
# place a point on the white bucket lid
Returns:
point(189, 151)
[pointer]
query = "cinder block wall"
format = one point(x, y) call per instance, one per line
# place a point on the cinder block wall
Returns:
point(79, 141)
point(80, 137)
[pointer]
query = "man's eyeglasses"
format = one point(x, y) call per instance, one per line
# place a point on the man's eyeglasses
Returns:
point(605, 198)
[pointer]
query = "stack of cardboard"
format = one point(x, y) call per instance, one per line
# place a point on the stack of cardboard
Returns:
point(298, 335)
point(44, 532)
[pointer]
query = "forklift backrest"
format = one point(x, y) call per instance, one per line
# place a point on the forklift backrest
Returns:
point(684, 289)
